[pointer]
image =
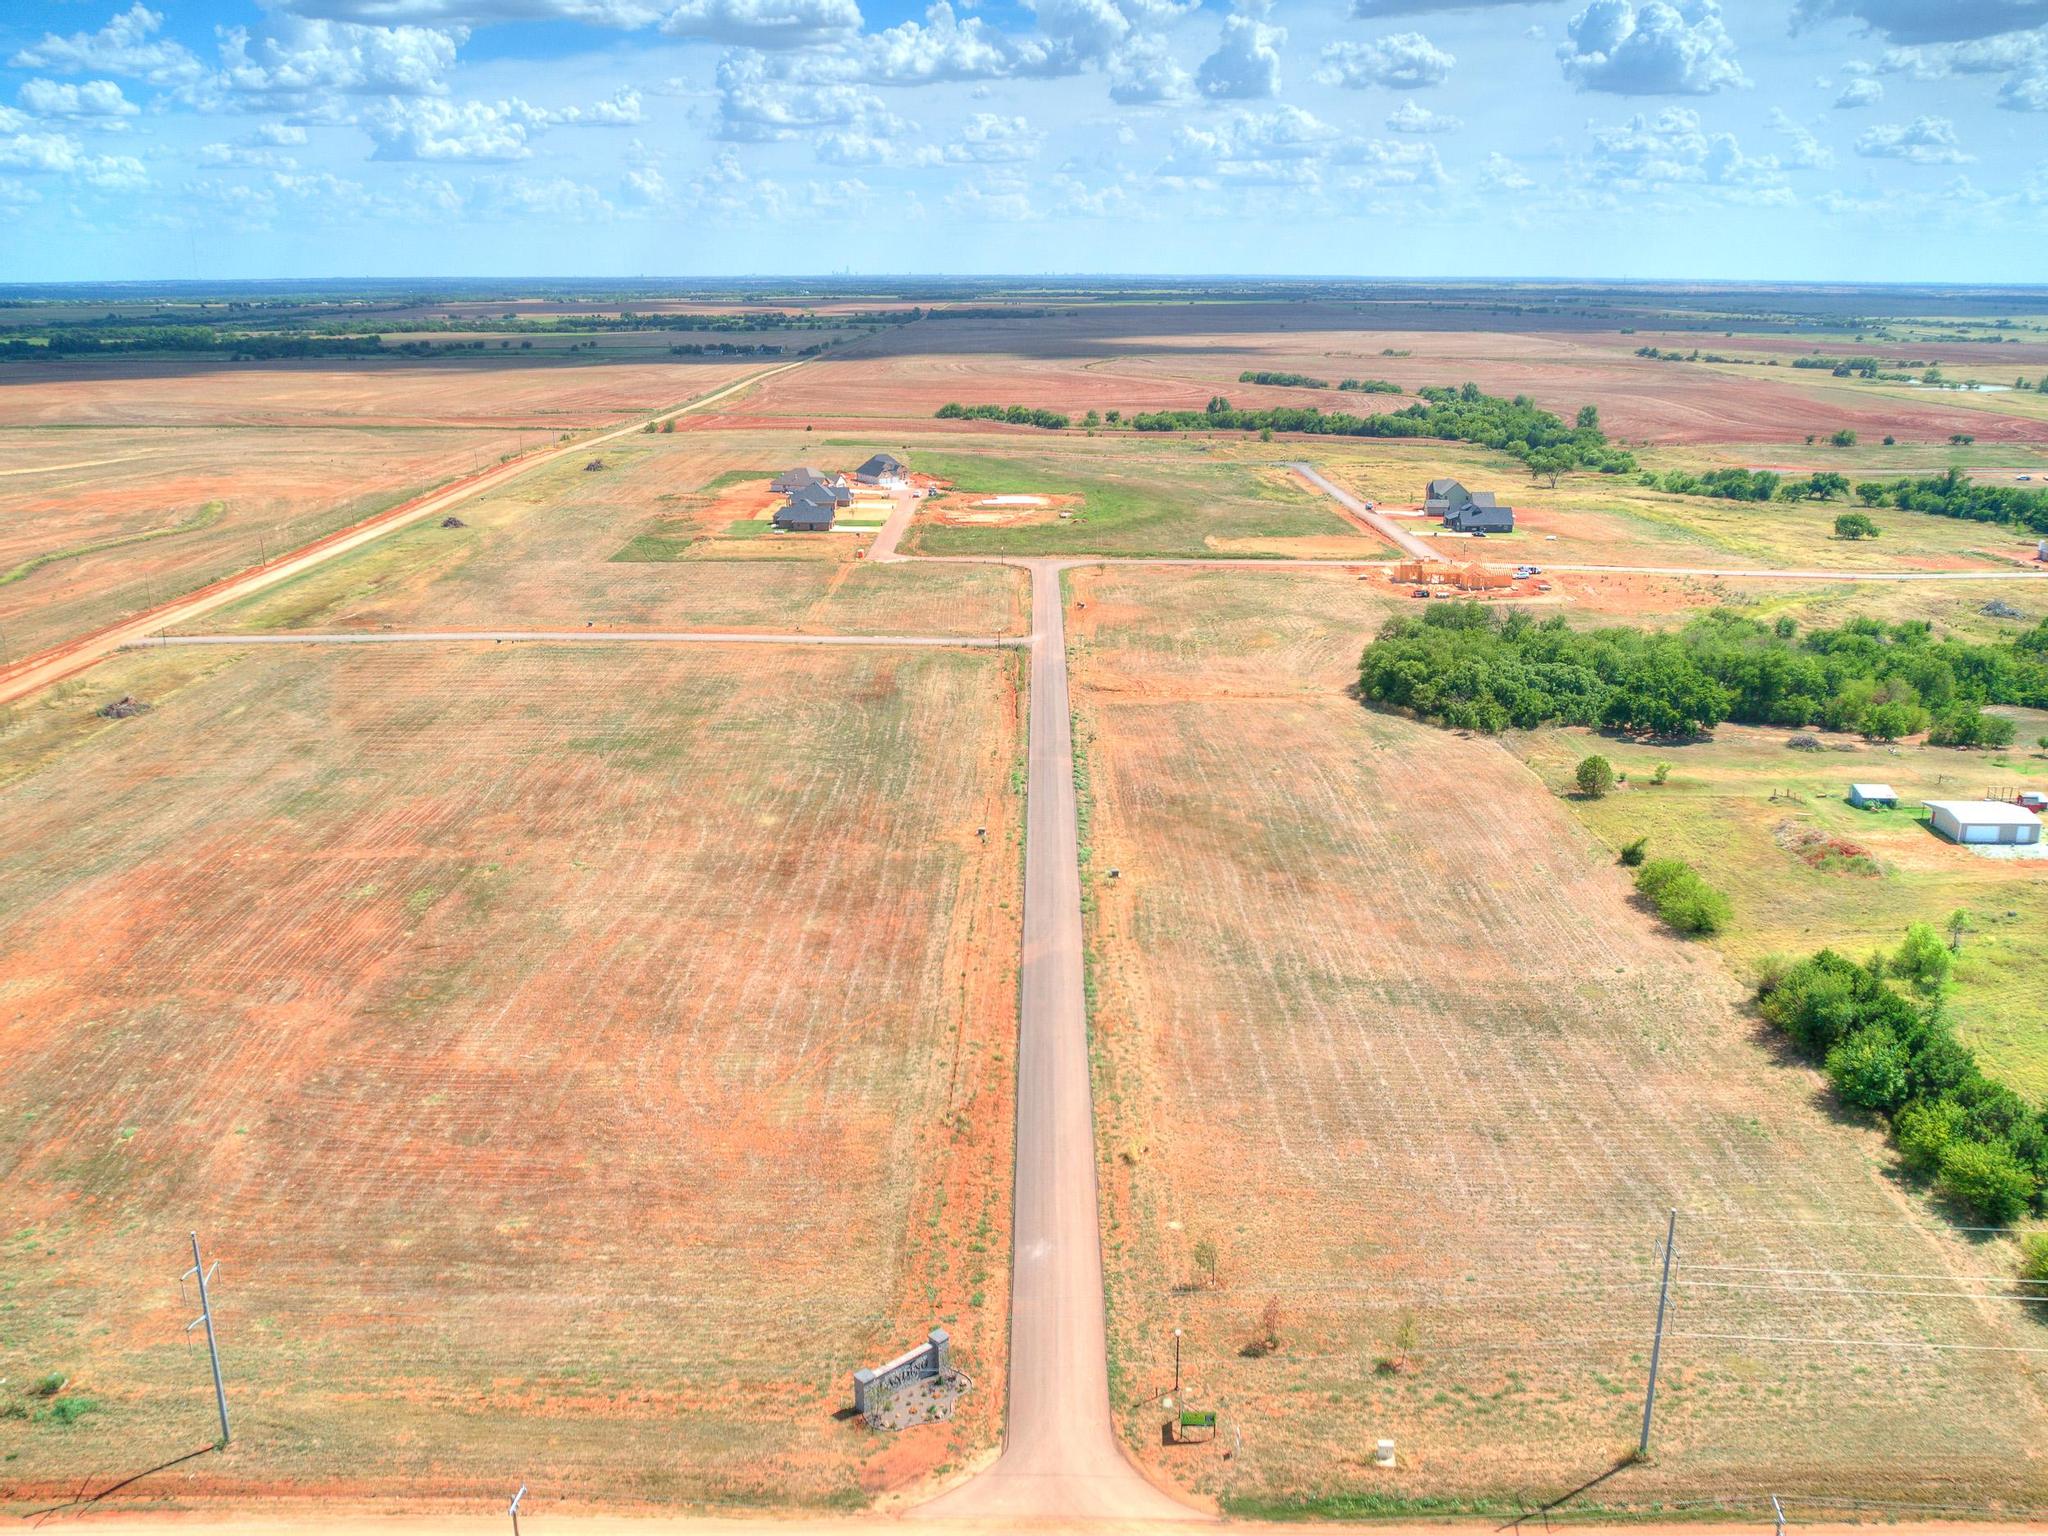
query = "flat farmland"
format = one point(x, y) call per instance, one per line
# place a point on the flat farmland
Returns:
point(1145, 357)
point(1396, 1086)
point(647, 542)
point(98, 525)
point(1127, 495)
point(123, 485)
point(579, 1059)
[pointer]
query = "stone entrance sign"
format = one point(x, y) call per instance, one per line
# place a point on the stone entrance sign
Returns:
point(918, 1385)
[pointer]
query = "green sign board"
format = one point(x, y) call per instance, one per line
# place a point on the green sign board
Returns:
point(1198, 1419)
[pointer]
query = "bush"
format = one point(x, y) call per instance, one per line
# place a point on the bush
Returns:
point(1632, 853)
point(2034, 1260)
point(68, 1410)
point(1986, 1177)
point(1681, 898)
point(1925, 1132)
point(1923, 959)
point(1855, 525)
point(1965, 725)
point(1595, 777)
point(1868, 1070)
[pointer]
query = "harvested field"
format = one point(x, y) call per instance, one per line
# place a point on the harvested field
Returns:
point(96, 526)
point(579, 1060)
point(126, 484)
point(1146, 357)
point(1396, 1086)
point(648, 543)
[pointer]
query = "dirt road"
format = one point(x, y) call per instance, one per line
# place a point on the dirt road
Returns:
point(1061, 1459)
point(1385, 527)
point(576, 637)
point(74, 656)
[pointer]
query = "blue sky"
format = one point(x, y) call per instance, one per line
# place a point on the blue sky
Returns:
point(1854, 140)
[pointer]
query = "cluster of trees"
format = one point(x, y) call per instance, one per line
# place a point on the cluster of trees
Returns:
point(1484, 669)
point(1518, 427)
point(190, 339)
point(1697, 356)
point(1864, 367)
point(1955, 495)
point(1888, 1049)
point(726, 349)
point(1294, 380)
point(1370, 386)
point(1752, 484)
point(1681, 898)
point(1015, 415)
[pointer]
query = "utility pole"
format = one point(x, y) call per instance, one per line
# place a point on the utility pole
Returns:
point(514, 1510)
point(1778, 1514)
point(202, 1275)
point(1657, 1343)
point(1176, 1362)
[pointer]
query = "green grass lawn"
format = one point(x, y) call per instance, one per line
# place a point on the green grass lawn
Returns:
point(1740, 807)
point(1135, 500)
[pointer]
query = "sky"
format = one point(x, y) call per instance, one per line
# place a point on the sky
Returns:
point(1814, 140)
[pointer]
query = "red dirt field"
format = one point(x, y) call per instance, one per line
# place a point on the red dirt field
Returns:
point(398, 392)
point(579, 1060)
point(1151, 357)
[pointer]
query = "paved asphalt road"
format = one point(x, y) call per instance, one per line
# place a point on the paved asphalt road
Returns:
point(74, 656)
point(1060, 1459)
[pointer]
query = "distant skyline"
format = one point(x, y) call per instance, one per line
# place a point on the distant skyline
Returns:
point(1795, 140)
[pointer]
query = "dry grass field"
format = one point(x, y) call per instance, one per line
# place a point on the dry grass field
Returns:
point(125, 484)
point(579, 1059)
point(1389, 1061)
point(648, 542)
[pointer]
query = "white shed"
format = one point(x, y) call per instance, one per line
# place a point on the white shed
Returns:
point(1868, 795)
point(1984, 821)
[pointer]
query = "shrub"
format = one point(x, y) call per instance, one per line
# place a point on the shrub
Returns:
point(1661, 774)
point(1843, 438)
point(1868, 1070)
point(1986, 1177)
point(1681, 898)
point(67, 1410)
point(1595, 777)
point(1923, 959)
point(1632, 853)
point(1925, 1132)
point(1855, 525)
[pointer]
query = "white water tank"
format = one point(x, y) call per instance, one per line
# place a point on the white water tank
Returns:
point(1384, 1455)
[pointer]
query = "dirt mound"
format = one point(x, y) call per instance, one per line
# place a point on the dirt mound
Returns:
point(123, 708)
point(452, 521)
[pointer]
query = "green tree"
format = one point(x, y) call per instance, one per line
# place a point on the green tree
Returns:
point(1925, 1132)
point(1872, 493)
point(1595, 777)
point(1092, 419)
point(1855, 525)
point(1589, 418)
point(1987, 1178)
point(1869, 1069)
point(1923, 959)
point(1843, 438)
point(1959, 923)
point(1890, 720)
point(1632, 853)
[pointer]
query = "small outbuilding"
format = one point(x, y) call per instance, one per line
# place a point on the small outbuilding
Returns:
point(1868, 796)
point(1984, 821)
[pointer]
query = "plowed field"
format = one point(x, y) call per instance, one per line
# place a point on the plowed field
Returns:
point(579, 1061)
point(1397, 1086)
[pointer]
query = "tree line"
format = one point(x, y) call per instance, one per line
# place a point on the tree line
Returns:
point(1880, 1031)
point(1476, 668)
point(1518, 427)
point(1370, 387)
point(1290, 380)
point(1954, 494)
point(1016, 415)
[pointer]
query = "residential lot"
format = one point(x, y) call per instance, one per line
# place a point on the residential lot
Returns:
point(1397, 1087)
point(579, 1059)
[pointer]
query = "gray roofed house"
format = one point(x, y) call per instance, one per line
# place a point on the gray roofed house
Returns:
point(810, 509)
point(1480, 513)
point(1442, 495)
point(882, 467)
point(791, 479)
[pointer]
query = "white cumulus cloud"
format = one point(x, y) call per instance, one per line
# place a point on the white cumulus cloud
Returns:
point(127, 45)
point(1405, 61)
point(1414, 117)
point(1923, 141)
point(1246, 63)
point(88, 99)
point(1652, 48)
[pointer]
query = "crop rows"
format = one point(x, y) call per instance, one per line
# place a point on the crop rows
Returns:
point(552, 1045)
